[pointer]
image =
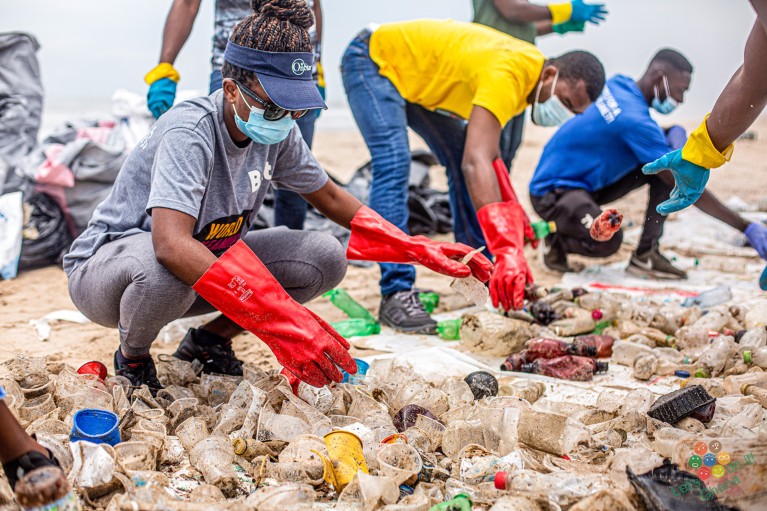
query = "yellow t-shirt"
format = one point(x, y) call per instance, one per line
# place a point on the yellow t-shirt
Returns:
point(449, 66)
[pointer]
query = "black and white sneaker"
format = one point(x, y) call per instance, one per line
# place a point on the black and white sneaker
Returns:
point(140, 371)
point(652, 264)
point(403, 311)
point(214, 352)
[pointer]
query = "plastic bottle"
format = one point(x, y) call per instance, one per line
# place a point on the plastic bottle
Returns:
point(626, 352)
point(567, 368)
point(710, 298)
point(576, 321)
point(429, 300)
point(515, 361)
point(542, 228)
point(757, 316)
point(602, 343)
point(558, 295)
point(534, 292)
point(714, 358)
point(553, 348)
point(759, 357)
point(341, 299)
point(449, 329)
point(46, 489)
point(754, 338)
point(461, 502)
point(734, 384)
point(356, 327)
point(759, 394)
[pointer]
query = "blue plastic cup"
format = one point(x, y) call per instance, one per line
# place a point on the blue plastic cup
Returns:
point(97, 426)
point(359, 376)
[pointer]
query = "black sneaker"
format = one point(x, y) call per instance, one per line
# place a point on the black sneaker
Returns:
point(653, 264)
point(212, 351)
point(140, 371)
point(403, 311)
point(554, 258)
point(27, 462)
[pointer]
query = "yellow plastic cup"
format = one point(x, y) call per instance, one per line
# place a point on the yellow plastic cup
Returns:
point(344, 459)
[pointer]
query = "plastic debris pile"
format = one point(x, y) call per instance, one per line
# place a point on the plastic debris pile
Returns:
point(389, 439)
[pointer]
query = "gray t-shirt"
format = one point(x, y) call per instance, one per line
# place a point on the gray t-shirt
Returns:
point(189, 163)
point(228, 14)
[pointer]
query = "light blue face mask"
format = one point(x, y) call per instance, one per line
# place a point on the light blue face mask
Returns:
point(261, 131)
point(551, 112)
point(666, 106)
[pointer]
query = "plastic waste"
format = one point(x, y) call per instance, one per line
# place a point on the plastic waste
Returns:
point(93, 367)
point(710, 298)
point(46, 489)
point(213, 457)
point(293, 496)
point(35, 385)
point(135, 456)
point(449, 329)
point(429, 300)
point(576, 321)
point(757, 315)
point(681, 403)
point(542, 228)
point(494, 335)
point(356, 327)
point(344, 458)
point(602, 343)
point(553, 348)
point(343, 300)
point(606, 225)
point(35, 408)
point(482, 384)
point(461, 502)
point(97, 426)
point(567, 368)
point(542, 312)
point(734, 384)
point(92, 465)
point(399, 461)
point(406, 417)
point(358, 377)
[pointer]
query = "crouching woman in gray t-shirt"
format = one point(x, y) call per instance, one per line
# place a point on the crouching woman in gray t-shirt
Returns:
point(172, 239)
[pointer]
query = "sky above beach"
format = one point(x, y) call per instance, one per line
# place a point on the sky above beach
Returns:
point(90, 49)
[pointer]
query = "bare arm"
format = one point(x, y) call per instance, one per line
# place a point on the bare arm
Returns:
point(544, 27)
point(318, 20)
point(522, 10)
point(710, 205)
point(760, 6)
point(335, 203)
point(176, 249)
point(745, 96)
point(482, 140)
point(178, 26)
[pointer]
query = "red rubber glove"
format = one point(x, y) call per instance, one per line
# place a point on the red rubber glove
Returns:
point(375, 239)
point(508, 195)
point(239, 285)
point(503, 226)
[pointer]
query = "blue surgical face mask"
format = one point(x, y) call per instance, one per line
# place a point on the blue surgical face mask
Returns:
point(261, 131)
point(666, 106)
point(551, 112)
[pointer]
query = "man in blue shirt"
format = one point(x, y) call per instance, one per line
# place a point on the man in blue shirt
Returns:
point(597, 158)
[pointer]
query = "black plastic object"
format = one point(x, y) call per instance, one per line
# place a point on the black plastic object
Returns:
point(543, 312)
point(601, 367)
point(661, 489)
point(482, 384)
point(46, 237)
point(704, 413)
point(679, 404)
point(406, 417)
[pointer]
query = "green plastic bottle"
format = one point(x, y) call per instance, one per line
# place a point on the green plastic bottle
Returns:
point(601, 326)
point(449, 329)
point(341, 299)
point(542, 228)
point(356, 327)
point(461, 502)
point(430, 300)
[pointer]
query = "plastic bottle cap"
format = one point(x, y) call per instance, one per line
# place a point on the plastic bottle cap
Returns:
point(240, 446)
point(500, 480)
point(743, 388)
point(747, 357)
point(596, 314)
point(682, 374)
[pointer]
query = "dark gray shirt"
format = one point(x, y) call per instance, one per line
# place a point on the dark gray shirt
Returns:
point(189, 163)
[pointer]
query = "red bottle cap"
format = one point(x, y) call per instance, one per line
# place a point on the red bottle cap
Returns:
point(596, 314)
point(500, 480)
point(93, 367)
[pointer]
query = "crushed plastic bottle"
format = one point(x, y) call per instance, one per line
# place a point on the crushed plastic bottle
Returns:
point(449, 329)
point(710, 298)
point(553, 348)
point(461, 502)
point(343, 300)
point(356, 327)
point(566, 368)
point(602, 343)
point(429, 300)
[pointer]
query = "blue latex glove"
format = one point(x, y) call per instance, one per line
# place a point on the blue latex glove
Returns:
point(757, 236)
point(690, 180)
point(763, 280)
point(593, 13)
point(160, 97)
point(568, 26)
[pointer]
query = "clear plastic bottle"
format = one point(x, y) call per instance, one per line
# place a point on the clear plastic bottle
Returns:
point(754, 338)
point(626, 353)
point(759, 358)
point(710, 298)
point(576, 321)
point(734, 384)
point(715, 357)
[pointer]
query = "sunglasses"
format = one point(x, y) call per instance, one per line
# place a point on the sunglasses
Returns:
point(272, 112)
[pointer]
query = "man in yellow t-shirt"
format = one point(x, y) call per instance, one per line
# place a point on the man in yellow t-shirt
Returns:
point(456, 84)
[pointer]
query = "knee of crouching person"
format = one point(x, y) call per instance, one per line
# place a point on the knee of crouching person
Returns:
point(331, 259)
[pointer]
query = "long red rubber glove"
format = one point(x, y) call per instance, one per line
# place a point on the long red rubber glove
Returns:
point(375, 239)
point(503, 226)
point(241, 287)
point(508, 195)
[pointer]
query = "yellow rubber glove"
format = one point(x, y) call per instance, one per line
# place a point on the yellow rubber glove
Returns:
point(560, 13)
point(162, 70)
point(701, 151)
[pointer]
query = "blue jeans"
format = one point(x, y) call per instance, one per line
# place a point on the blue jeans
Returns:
point(383, 116)
point(289, 207)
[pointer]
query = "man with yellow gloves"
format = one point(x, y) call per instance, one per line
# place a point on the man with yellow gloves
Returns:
point(710, 146)
point(290, 208)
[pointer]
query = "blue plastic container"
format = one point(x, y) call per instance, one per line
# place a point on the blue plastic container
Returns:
point(97, 426)
point(356, 379)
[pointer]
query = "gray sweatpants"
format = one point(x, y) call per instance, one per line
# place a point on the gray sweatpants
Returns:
point(122, 285)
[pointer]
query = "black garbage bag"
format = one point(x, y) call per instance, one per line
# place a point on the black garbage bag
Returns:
point(667, 488)
point(45, 237)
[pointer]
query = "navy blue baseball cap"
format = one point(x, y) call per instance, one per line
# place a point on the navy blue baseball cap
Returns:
point(285, 76)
